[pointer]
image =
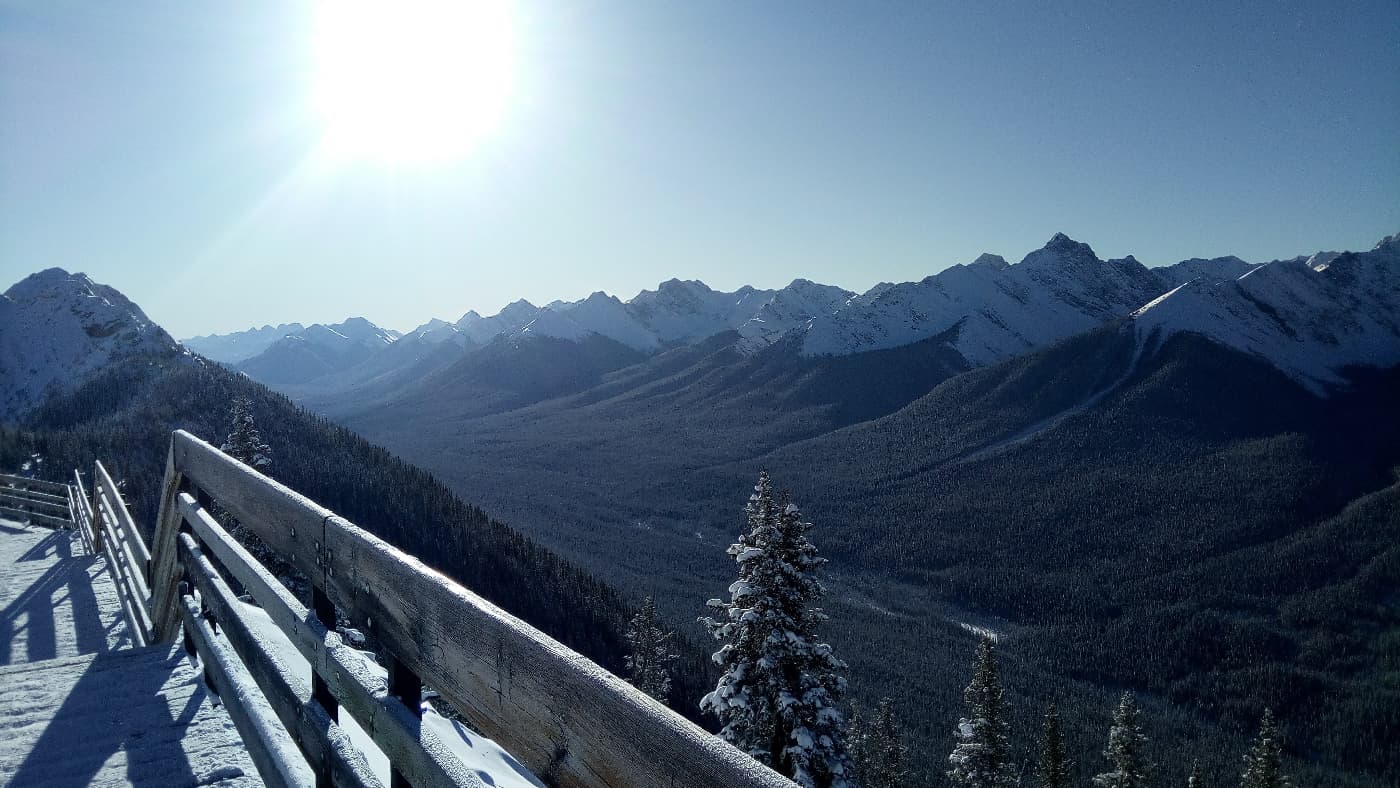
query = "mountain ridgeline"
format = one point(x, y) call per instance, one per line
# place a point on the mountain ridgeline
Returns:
point(1183, 481)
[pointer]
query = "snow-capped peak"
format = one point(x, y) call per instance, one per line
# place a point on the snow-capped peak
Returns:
point(998, 311)
point(794, 306)
point(56, 327)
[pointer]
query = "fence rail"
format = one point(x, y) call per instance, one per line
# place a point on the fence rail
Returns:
point(564, 717)
point(38, 501)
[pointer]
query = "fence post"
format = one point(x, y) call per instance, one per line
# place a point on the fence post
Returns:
point(164, 577)
point(405, 685)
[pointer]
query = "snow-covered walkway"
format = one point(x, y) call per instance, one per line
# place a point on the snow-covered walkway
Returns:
point(78, 706)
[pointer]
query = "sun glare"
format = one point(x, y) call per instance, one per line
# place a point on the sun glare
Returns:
point(411, 80)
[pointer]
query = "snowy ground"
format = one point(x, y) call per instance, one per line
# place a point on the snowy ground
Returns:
point(78, 706)
point(54, 600)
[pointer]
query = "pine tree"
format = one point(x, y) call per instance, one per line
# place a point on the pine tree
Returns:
point(1263, 764)
point(856, 746)
point(982, 756)
point(779, 686)
point(1125, 748)
point(1053, 770)
point(877, 750)
point(651, 657)
point(244, 442)
point(1194, 779)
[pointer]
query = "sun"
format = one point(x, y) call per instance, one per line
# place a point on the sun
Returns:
point(411, 81)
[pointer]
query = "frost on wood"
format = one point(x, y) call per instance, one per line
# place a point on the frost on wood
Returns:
point(779, 689)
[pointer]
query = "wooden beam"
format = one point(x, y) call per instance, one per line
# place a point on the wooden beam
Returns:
point(318, 736)
point(163, 574)
point(37, 518)
point(123, 517)
point(278, 761)
point(416, 753)
point(43, 485)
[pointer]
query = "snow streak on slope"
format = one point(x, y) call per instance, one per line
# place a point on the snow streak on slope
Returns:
point(1308, 317)
point(57, 327)
point(1002, 310)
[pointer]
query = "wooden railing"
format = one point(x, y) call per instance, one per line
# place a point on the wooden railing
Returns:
point(107, 529)
point(40, 502)
point(564, 717)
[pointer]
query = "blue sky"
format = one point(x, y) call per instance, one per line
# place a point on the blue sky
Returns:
point(173, 149)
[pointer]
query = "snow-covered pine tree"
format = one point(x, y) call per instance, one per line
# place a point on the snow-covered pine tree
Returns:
point(1125, 748)
point(982, 756)
point(1053, 769)
point(1193, 780)
point(244, 442)
point(1263, 764)
point(651, 657)
point(882, 757)
point(779, 688)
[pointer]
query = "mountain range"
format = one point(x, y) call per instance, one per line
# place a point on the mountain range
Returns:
point(1300, 314)
point(1180, 480)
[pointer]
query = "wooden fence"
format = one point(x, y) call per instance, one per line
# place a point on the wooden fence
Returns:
point(564, 717)
point(40, 502)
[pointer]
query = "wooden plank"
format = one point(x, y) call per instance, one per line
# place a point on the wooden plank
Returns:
point(128, 526)
point(133, 608)
point(42, 485)
point(59, 510)
point(50, 504)
point(131, 587)
point(311, 727)
point(277, 759)
point(288, 522)
point(129, 546)
point(163, 575)
point(37, 518)
point(417, 753)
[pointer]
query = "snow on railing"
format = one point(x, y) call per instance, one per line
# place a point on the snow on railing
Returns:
point(565, 718)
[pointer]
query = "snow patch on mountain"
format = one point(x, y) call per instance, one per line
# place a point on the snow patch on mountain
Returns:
point(1310, 317)
point(57, 327)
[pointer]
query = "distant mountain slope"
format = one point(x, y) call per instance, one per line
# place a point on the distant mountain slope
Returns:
point(1308, 318)
point(318, 350)
point(240, 345)
point(57, 327)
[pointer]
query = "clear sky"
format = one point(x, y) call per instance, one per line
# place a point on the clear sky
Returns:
point(181, 150)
